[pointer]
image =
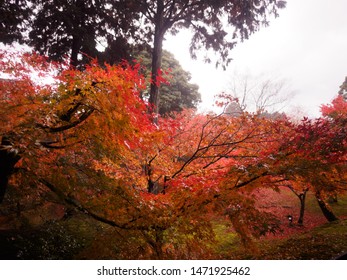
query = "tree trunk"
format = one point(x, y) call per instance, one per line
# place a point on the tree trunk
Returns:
point(8, 158)
point(327, 212)
point(159, 33)
point(75, 47)
point(78, 23)
point(302, 198)
point(155, 240)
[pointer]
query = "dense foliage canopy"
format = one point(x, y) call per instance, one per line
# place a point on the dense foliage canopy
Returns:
point(87, 145)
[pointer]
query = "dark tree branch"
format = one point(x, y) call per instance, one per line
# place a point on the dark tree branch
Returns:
point(76, 204)
point(73, 124)
point(50, 144)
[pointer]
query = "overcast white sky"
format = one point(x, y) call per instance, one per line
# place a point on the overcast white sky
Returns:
point(306, 46)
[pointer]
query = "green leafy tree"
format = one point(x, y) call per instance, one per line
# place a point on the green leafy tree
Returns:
point(178, 93)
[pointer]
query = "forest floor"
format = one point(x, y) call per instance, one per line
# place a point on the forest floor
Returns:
point(316, 239)
point(80, 237)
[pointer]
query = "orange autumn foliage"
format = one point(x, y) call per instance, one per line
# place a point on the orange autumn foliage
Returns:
point(89, 140)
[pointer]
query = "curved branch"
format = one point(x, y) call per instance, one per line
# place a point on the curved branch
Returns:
point(70, 125)
point(76, 204)
point(50, 144)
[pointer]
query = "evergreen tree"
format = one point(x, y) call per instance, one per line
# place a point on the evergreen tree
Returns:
point(178, 93)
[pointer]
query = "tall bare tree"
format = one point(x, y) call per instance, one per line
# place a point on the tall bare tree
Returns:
point(258, 94)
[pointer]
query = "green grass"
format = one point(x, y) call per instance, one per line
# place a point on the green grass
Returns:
point(340, 208)
point(226, 240)
point(323, 242)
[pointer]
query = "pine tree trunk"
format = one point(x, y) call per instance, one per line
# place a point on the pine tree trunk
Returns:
point(156, 65)
point(327, 212)
point(75, 47)
point(160, 30)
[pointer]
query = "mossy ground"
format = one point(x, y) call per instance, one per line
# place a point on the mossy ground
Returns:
point(316, 240)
